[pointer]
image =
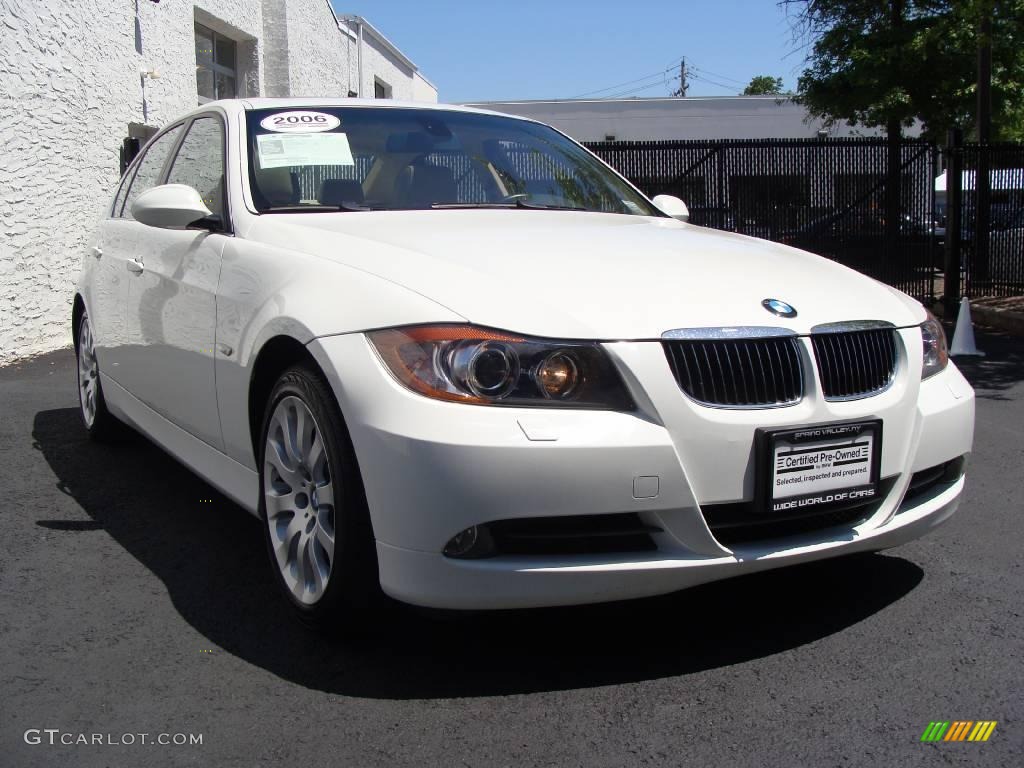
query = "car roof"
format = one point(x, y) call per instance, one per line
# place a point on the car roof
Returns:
point(262, 102)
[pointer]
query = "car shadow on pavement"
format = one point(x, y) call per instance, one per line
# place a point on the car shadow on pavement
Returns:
point(999, 370)
point(210, 556)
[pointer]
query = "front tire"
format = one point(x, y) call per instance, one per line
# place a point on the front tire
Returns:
point(98, 421)
point(316, 521)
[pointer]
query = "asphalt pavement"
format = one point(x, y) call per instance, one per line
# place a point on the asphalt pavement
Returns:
point(135, 599)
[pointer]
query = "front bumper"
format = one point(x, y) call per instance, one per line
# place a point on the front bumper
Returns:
point(432, 469)
point(429, 579)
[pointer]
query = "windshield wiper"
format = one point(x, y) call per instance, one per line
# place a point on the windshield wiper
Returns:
point(520, 203)
point(348, 207)
point(445, 206)
point(511, 204)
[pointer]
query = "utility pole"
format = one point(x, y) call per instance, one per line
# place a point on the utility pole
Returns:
point(894, 130)
point(982, 183)
point(682, 78)
point(954, 223)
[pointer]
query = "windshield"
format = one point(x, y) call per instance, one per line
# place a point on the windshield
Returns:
point(370, 158)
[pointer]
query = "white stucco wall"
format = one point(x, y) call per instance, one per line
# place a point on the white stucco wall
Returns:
point(380, 61)
point(423, 89)
point(69, 86)
point(317, 69)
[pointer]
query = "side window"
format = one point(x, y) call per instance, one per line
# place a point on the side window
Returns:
point(200, 162)
point(147, 172)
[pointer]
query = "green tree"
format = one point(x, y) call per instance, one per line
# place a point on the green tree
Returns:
point(885, 63)
point(763, 85)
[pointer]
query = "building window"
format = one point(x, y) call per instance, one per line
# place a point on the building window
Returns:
point(381, 90)
point(215, 65)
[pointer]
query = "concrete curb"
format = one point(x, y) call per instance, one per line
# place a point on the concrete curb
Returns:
point(1007, 320)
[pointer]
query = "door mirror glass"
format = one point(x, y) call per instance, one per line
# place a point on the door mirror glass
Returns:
point(672, 206)
point(169, 206)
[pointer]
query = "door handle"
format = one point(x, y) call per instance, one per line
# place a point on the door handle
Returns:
point(96, 251)
point(135, 266)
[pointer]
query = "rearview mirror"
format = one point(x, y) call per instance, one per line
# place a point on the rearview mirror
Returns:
point(169, 206)
point(672, 206)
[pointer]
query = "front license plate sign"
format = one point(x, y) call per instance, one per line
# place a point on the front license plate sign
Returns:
point(811, 468)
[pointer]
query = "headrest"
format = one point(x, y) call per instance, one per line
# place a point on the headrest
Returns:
point(431, 184)
point(338, 191)
point(276, 185)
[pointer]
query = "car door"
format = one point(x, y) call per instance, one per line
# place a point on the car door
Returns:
point(172, 312)
point(113, 248)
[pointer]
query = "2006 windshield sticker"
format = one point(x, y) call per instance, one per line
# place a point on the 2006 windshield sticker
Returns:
point(299, 121)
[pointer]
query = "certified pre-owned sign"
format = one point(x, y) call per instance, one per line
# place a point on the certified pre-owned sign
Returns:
point(824, 466)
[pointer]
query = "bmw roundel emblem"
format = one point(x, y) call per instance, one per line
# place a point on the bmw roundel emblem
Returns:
point(778, 307)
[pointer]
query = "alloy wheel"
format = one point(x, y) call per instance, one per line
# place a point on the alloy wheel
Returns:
point(298, 492)
point(88, 372)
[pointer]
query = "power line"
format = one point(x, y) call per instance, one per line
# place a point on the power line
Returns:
point(730, 88)
point(633, 92)
point(621, 85)
point(660, 73)
point(662, 82)
point(686, 72)
point(720, 77)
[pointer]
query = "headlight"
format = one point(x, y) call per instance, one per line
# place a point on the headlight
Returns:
point(935, 354)
point(465, 364)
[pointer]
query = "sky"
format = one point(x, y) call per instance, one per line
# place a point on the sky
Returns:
point(559, 49)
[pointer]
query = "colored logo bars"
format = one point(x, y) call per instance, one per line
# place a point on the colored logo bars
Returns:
point(958, 730)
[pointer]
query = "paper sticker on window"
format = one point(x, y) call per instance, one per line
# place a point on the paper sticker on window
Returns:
point(300, 121)
point(280, 150)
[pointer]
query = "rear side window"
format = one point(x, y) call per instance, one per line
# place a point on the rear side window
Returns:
point(147, 172)
point(200, 162)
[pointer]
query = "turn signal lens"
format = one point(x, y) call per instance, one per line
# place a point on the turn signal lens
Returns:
point(933, 338)
point(466, 364)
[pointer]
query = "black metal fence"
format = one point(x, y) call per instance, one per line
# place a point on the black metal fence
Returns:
point(831, 196)
point(990, 249)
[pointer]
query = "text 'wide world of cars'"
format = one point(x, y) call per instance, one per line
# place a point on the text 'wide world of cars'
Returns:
point(451, 358)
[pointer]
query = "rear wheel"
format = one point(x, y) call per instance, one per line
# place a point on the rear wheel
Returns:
point(98, 421)
point(316, 522)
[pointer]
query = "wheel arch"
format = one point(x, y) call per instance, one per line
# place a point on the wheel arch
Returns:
point(276, 355)
point(77, 310)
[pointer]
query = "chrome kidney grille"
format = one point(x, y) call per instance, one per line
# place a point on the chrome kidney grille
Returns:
point(767, 372)
point(738, 373)
point(855, 364)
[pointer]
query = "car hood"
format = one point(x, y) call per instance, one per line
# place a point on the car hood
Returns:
point(589, 275)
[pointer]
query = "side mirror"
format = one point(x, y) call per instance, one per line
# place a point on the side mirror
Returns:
point(672, 206)
point(169, 206)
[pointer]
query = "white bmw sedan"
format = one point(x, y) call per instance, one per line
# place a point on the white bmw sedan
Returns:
point(450, 357)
